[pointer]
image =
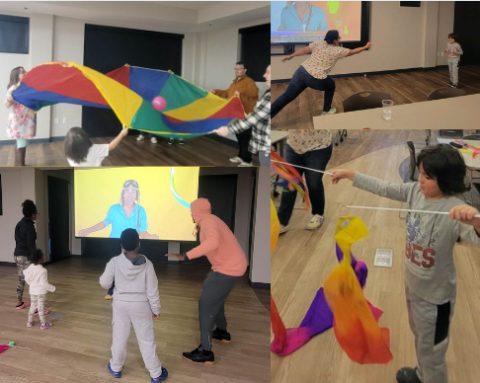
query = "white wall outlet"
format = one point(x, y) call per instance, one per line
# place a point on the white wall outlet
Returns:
point(56, 121)
point(64, 120)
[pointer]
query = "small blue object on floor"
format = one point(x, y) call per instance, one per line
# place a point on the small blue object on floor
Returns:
point(114, 374)
point(55, 316)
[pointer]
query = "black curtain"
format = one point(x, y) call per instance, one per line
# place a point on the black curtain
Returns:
point(255, 50)
point(58, 218)
point(465, 25)
point(108, 48)
point(14, 34)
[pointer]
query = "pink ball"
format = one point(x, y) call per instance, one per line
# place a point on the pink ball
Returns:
point(159, 103)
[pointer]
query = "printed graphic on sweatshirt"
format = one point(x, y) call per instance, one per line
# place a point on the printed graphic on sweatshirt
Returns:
point(419, 256)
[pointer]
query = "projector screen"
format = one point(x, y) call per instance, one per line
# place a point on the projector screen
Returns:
point(153, 200)
point(302, 22)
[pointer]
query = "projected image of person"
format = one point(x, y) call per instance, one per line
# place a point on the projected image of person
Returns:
point(127, 214)
point(302, 16)
point(314, 72)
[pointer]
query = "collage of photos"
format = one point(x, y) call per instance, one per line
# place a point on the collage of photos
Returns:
point(375, 192)
point(240, 191)
point(134, 191)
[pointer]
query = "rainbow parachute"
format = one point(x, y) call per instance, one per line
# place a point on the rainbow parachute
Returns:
point(129, 91)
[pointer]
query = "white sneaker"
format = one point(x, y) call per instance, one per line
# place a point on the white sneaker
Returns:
point(283, 229)
point(181, 142)
point(315, 222)
point(171, 141)
point(154, 140)
point(236, 160)
point(245, 164)
point(140, 137)
point(331, 111)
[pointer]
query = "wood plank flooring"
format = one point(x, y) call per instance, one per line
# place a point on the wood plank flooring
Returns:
point(404, 88)
point(304, 259)
point(202, 151)
point(77, 347)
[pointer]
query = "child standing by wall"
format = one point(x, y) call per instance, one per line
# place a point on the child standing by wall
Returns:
point(136, 304)
point(454, 51)
point(430, 274)
point(37, 278)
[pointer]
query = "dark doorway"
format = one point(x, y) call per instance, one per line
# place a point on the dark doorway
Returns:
point(465, 25)
point(221, 191)
point(58, 218)
point(109, 48)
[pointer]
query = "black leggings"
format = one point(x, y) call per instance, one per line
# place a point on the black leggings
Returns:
point(300, 81)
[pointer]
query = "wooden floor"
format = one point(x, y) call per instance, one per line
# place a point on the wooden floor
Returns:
point(304, 259)
point(202, 151)
point(77, 347)
point(404, 88)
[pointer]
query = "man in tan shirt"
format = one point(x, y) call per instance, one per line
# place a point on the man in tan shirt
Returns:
point(245, 88)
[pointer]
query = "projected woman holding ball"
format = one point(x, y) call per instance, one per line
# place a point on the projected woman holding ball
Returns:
point(124, 215)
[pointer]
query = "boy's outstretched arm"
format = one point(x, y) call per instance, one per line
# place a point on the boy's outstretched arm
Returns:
point(397, 192)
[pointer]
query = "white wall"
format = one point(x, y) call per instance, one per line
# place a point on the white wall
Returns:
point(260, 267)
point(446, 14)
point(401, 37)
point(18, 184)
point(68, 43)
point(208, 59)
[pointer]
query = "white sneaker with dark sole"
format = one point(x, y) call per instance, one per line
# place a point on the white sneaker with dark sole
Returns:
point(315, 222)
point(283, 229)
point(140, 137)
point(236, 160)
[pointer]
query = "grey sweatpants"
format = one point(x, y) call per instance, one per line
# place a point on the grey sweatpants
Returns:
point(211, 305)
point(430, 325)
point(453, 69)
point(138, 315)
point(22, 262)
point(264, 158)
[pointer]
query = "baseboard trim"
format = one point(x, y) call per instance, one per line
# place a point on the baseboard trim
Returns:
point(260, 285)
point(34, 141)
point(383, 72)
point(12, 264)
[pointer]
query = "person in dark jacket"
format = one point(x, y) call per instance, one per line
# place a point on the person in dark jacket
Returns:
point(25, 239)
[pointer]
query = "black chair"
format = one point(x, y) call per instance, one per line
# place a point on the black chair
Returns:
point(367, 99)
point(413, 174)
point(412, 167)
point(442, 93)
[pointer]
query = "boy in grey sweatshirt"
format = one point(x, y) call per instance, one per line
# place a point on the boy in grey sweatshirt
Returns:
point(454, 51)
point(430, 275)
point(136, 304)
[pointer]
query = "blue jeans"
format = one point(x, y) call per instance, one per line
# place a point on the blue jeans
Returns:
point(316, 159)
point(300, 81)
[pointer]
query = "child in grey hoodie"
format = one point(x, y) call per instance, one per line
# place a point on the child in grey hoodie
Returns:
point(430, 275)
point(136, 304)
point(454, 51)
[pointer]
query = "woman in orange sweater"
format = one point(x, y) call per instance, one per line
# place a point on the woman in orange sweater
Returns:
point(229, 263)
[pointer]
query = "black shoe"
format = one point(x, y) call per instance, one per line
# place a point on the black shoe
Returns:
point(221, 335)
point(408, 375)
point(200, 356)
